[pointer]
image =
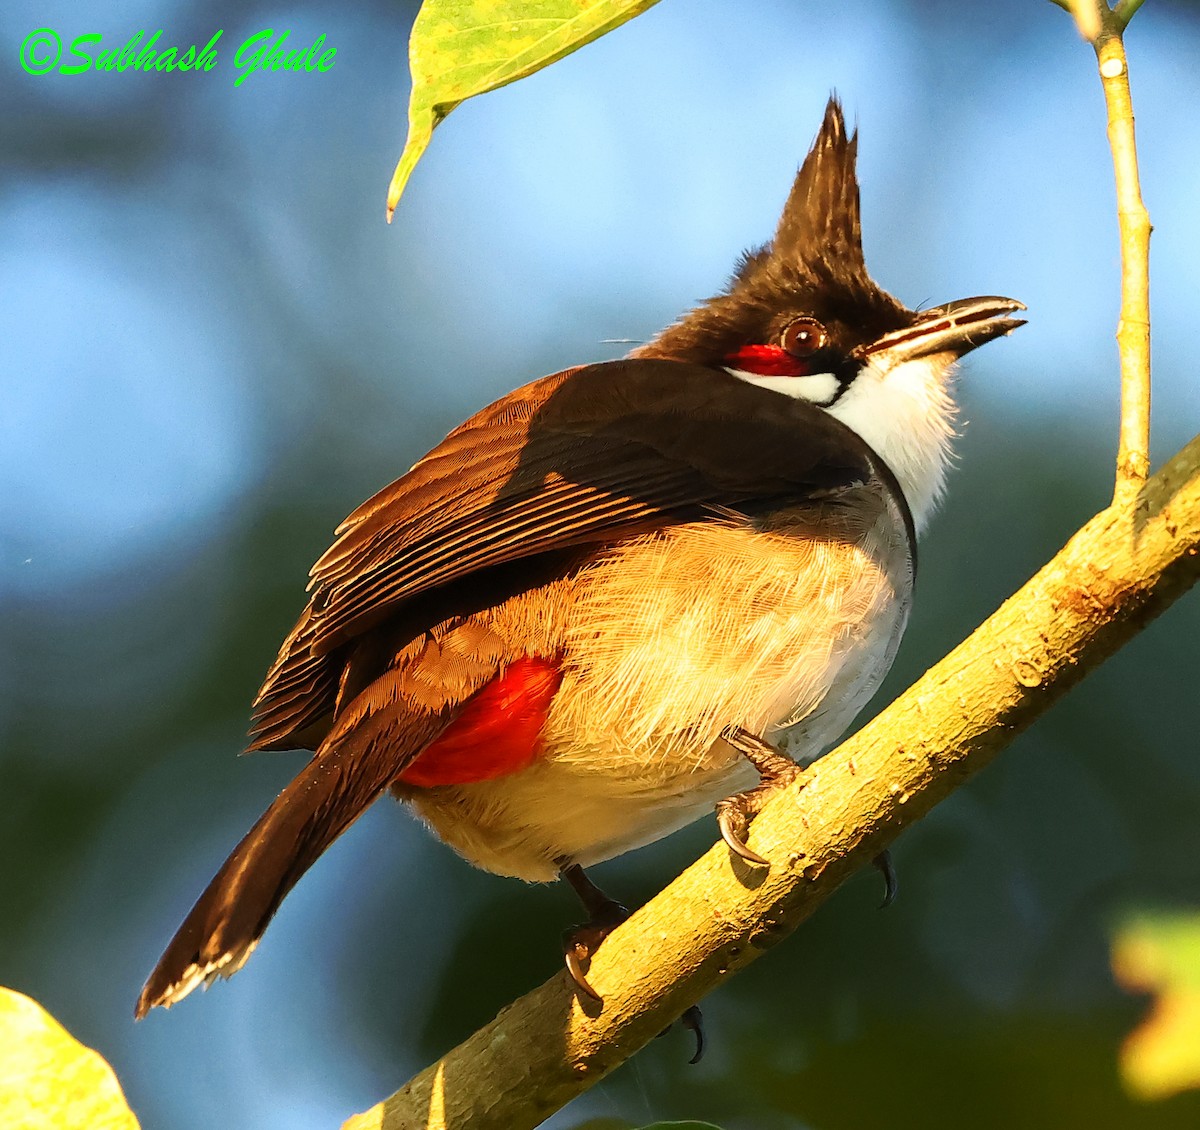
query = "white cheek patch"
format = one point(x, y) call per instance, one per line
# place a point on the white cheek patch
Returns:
point(819, 388)
point(904, 412)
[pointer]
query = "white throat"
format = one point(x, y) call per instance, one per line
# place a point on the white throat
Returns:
point(905, 414)
point(907, 417)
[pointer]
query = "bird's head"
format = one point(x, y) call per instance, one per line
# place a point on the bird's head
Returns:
point(801, 317)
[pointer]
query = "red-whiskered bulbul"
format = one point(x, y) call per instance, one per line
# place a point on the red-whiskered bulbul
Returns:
point(617, 597)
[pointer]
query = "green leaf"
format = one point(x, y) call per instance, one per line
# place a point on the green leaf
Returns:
point(50, 1081)
point(460, 48)
point(680, 1126)
point(1160, 953)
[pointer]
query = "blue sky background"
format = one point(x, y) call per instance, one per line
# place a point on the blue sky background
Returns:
point(212, 348)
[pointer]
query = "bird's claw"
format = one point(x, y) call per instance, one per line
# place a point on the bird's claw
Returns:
point(735, 812)
point(579, 944)
point(891, 885)
point(693, 1020)
point(734, 823)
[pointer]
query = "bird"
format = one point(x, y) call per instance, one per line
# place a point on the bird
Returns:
point(624, 595)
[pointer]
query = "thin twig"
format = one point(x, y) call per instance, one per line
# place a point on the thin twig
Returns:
point(1103, 28)
point(1125, 10)
point(1133, 331)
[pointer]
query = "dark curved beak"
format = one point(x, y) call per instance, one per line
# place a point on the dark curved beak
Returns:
point(956, 328)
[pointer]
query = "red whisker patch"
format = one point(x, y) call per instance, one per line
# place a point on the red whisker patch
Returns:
point(767, 361)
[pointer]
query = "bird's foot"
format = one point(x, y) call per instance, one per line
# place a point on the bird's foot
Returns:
point(580, 943)
point(735, 812)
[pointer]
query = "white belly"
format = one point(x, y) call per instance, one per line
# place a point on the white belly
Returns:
point(672, 638)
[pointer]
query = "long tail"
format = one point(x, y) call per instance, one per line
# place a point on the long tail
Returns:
point(224, 926)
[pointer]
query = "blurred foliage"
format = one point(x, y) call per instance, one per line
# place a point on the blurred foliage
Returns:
point(50, 1081)
point(1159, 953)
point(461, 48)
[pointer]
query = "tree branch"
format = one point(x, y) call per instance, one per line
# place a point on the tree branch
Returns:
point(1105, 585)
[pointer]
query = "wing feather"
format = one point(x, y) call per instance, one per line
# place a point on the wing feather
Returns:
point(584, 457)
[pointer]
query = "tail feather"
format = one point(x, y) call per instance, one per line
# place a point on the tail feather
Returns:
point(224, 926)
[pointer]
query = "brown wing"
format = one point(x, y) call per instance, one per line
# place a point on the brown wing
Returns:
point(583, 457)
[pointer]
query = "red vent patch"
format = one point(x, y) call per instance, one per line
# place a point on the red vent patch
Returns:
point(498, 731)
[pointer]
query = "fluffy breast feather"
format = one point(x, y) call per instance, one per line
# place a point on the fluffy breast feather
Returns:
point(677, 635)
point(784, 626)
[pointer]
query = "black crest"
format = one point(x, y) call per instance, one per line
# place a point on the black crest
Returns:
point(821, 224)
point(814, 266)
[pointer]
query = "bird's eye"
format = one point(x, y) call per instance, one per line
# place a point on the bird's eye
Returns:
point(803, 337)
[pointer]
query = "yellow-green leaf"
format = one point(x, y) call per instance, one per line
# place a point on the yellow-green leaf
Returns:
point(460, 48)
point(50, 1081)
point(1160, 954)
